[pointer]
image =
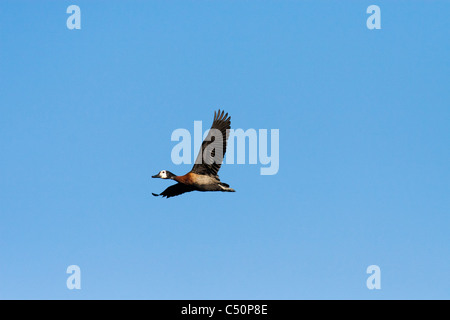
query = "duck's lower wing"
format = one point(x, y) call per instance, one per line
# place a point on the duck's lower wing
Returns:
point(175, 190)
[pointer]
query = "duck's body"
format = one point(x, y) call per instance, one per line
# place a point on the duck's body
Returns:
point(199, 181)
point(203, 176)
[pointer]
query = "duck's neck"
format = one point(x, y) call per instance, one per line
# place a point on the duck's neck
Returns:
point(186, 179)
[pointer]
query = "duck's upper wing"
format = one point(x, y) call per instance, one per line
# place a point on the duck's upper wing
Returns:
point(175, 190)
point(214, 146)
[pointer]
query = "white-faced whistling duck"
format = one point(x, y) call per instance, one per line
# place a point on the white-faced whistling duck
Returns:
point(203, 176)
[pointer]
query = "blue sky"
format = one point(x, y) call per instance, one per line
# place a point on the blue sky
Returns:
point(86, 118)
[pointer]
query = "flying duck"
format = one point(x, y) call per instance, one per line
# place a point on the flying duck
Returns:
point(203, 176)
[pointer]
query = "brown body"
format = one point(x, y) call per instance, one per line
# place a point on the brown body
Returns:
point(188, 178)
point(201, 182)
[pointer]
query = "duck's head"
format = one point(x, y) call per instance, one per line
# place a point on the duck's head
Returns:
point(164, 174)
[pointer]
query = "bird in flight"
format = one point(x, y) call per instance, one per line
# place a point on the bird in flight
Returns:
point(203, 176)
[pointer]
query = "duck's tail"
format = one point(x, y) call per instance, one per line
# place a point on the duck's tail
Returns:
point(226, 188)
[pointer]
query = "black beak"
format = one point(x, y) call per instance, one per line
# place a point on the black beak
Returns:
point(156, 176)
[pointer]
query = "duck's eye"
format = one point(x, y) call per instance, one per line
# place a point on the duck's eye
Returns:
point(164, 171)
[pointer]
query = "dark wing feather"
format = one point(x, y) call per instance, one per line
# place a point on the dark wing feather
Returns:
point(175, 190)
point(212, 150)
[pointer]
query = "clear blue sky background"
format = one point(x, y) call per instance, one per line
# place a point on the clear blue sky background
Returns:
point(86, 118)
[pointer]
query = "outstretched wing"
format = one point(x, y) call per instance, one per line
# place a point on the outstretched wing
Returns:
point(175, 190)
point(214, 146)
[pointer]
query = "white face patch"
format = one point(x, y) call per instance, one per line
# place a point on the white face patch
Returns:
point(163, 174)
